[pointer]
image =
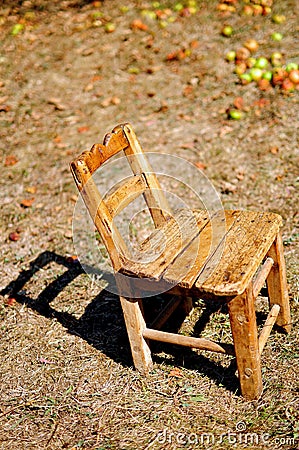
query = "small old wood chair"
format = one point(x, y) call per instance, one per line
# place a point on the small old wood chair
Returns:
point(247, 253)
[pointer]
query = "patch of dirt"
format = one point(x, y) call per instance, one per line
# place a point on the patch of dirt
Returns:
point(67, 78)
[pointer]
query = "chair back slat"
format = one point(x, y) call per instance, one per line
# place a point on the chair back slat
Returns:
point(154, 197)
point(124, 194)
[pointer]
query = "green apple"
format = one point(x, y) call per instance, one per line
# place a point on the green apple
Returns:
point(235, 114)
point(291, 66)
point(230, 56)
point(276, 36)
point(256, 73)
point(261, 63)
point(267, 75)
point(246, 78)
point(278, 18)
point(227, 31)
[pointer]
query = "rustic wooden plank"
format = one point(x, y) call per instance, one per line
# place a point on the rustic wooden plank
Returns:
point(244, 331)
point(165, 244)
point(154, 196)
point(246, 243)
point(262, 276)
point(277, 284)
point(268, 325)
point(123, 194)
point(187, 341)
point(187, 266)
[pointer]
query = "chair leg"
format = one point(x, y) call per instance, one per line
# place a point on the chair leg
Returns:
point(135, 325)
point(245, 336)
point(277, 284)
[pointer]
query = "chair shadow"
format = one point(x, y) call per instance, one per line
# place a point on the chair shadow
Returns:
point(102, 324)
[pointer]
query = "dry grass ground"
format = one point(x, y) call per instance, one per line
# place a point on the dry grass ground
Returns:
point(67, 380)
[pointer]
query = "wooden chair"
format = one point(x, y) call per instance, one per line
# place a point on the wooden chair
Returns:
point(248, 252)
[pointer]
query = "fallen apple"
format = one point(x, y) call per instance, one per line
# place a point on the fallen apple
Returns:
point(250, 62)
point(251, 45)
point(278, 18)
point(291, 66)
point(256, 73)
point(240, 68)
point(245, 78)
point(235, 114)
point(242, 53)
point(230, 56)
point(287, 85)
point(110, 27)
point(276, 59)
point(276, 36)
point(264, 84)
point(261, 63)
point(294, 76)
point(267, 75)
point(227, 31)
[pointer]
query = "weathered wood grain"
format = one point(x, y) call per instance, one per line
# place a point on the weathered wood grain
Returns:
point(123, 194)
point(262, 276)
point(268, 325)
point(188, 265)
point(277, 284)
point(187, 341)
point(246, 243)
point(165, 244)
point(244, 331)
point(154, 196)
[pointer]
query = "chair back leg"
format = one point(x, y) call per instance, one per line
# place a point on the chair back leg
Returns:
point(277, 284)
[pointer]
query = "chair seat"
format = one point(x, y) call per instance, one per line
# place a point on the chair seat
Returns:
point(217, 254)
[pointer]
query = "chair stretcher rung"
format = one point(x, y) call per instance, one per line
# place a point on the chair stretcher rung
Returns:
point(262, 276)
point(270, 321)
point(188, 341)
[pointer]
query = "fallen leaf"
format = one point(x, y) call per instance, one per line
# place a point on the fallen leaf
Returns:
point(68, 234)
point(137, 24)
point(228, 188)
point(10, 301)
point(188, 145)
point(188, 91)
point(176, 372)
point(200, 165)
point(274, 150)
point(14, 236)
point(72, 259)
point(27, 202)
point(31, 189)
point(5, 108)
point(57, 103)
point(82, 129)
point(10, 160)
point(115, 100)
point(239, 103)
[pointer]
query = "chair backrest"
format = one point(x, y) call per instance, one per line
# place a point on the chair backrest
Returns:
point(103, 209)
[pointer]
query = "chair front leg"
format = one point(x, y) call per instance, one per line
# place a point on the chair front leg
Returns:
point(245, 336)
point(135, 325)
point(277, 284)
